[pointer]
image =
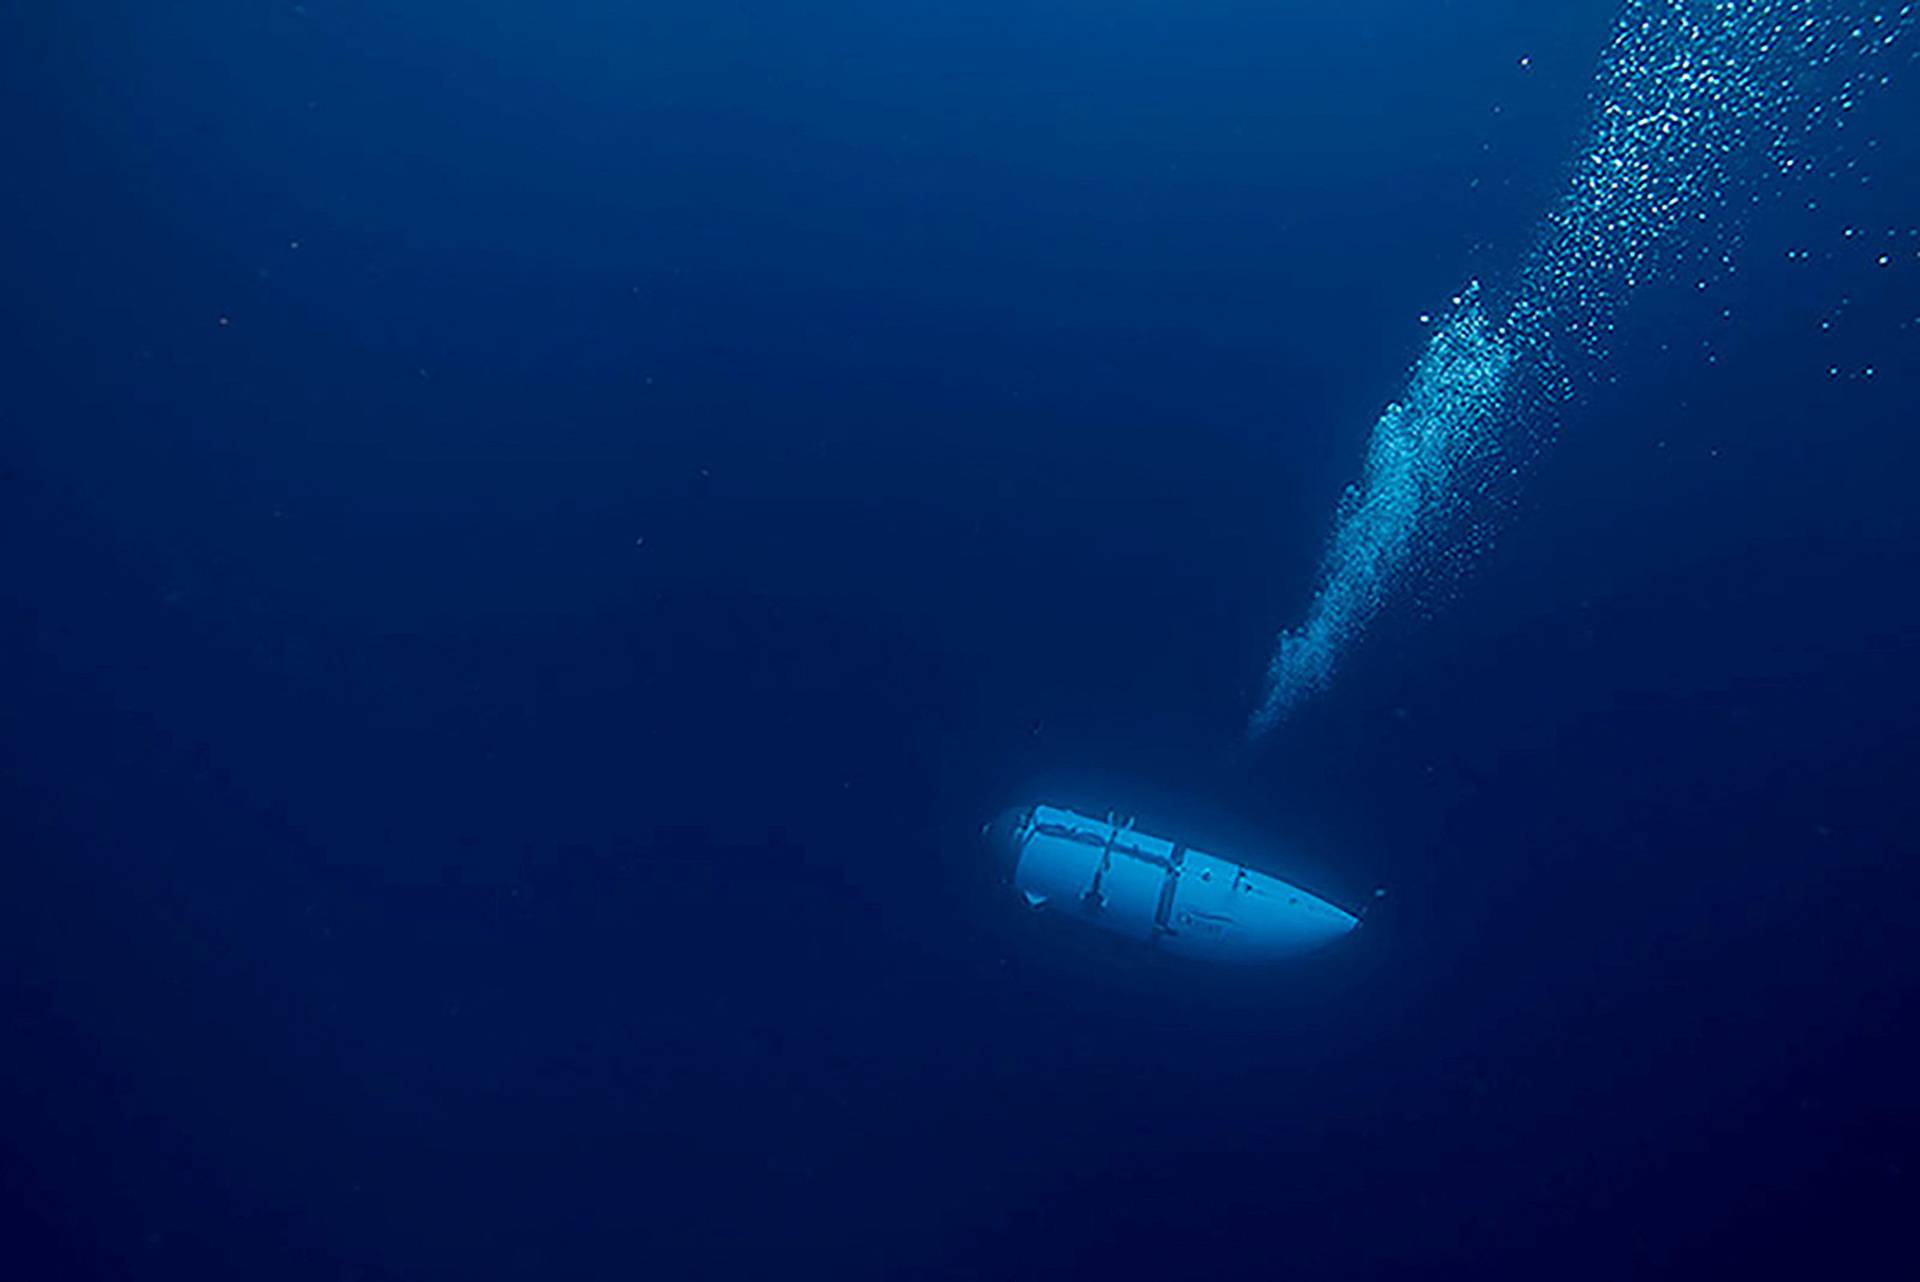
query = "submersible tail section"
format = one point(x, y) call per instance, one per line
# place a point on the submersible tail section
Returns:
point(1159, 892)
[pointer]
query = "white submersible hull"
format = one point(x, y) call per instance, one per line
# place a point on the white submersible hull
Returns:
point(1160, 892)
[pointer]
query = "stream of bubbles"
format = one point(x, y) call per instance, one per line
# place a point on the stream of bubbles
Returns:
point(1693, 101)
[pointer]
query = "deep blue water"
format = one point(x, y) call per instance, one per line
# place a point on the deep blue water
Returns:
point(536, 534)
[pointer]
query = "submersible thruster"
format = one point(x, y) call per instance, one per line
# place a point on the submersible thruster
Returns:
point(1157, 891)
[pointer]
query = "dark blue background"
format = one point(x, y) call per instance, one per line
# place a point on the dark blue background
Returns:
point(496, 726)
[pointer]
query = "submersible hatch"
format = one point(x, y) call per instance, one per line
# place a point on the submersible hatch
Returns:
point(1157, 891)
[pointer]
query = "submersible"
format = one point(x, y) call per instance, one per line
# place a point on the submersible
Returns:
point(1159, 892)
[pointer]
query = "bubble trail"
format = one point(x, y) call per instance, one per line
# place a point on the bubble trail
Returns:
point(1693, 102)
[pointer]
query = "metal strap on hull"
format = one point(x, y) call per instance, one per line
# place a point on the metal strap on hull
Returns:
point(1164, 910)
